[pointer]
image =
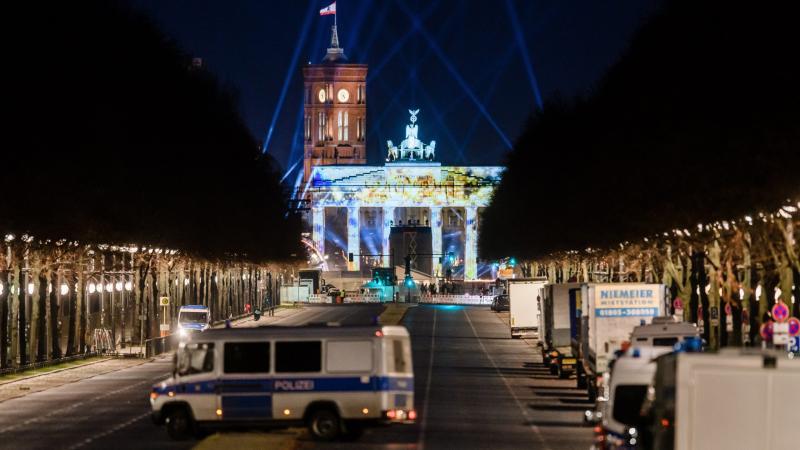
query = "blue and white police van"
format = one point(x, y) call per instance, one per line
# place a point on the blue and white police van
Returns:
point(193, 318)
point(334, 380)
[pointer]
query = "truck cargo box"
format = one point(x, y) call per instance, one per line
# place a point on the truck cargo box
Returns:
point(523, 296)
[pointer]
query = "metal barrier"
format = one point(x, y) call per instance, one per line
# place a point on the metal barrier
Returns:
point(102, 342)
point(369, 298)
point(319, 298)
point(465, 299)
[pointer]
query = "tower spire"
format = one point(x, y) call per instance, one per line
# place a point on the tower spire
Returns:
point(335, 52)
point(334, 37)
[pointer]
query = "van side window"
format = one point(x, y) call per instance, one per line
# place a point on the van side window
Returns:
point(195, 358)
point(246, 357)
point(298, 356)
point(348, 356)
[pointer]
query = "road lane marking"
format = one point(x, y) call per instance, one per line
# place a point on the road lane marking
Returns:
point(521, 407)
point(81, 403)
point(111, 430)
point(424, 423)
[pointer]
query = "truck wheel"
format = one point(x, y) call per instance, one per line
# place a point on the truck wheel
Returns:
point(180, 425)
point(581, 381)
point(592, 391)
point(324, 425)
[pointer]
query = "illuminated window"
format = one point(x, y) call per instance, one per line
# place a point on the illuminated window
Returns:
point(339, 124)
point(321, 126)
point(360, 93)
point(308, 128)
point(346, 127)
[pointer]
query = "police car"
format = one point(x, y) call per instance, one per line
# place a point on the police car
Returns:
point(334, 380)
point(192, 318)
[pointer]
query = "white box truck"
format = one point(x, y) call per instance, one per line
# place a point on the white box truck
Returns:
point(523, 297)
point(609, 312)
point(729, 400)
point(558, 327)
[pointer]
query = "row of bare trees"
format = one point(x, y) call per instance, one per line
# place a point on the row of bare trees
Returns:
point(54, 296)
point(742, 267)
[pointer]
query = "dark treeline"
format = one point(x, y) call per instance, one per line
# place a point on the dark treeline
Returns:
point(115, 137)
point(699, 120)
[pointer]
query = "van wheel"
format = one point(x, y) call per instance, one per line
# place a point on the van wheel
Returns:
point(324, 425)
point(180, 425)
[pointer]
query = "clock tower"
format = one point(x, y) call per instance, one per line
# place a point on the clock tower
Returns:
point(335, 111)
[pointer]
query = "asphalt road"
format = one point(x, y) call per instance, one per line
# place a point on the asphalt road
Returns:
point(111, 411)
point(475, 388)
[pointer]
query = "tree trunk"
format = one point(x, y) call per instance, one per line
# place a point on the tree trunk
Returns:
point(4, 322)
point(155, 309)
point(694, 298)
point(55, 328)
point(22, 322)
point(82, 305)
point(72, 284)
point(702, 281)
point(796, 293)
point(41, 316)
point(753, 306)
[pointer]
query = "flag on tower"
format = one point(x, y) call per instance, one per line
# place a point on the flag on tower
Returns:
point(328, 10)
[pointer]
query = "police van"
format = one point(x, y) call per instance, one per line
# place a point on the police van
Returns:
point(192, 318)
point(334, 380)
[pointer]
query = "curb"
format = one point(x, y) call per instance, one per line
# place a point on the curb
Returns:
point(77, 366)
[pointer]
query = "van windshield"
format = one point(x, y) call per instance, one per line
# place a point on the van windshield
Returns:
point(193, 317)
point(628, 403)
point(194, 358)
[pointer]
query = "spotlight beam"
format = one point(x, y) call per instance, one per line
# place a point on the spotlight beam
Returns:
point(489, 94)
point(289, 74)
point(375, 70)
point(297, 127)
point(417, 25)
point(289, 171)
point(523, 49)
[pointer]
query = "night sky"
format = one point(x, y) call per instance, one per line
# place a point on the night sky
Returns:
point(462, 63)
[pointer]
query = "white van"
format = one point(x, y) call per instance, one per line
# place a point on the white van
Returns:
point(663, 332)
point(193, 318)
point(631, 376)
point(335, 380)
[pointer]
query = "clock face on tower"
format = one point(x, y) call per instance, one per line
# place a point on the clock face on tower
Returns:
point(321, 95)
point(343, 95)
